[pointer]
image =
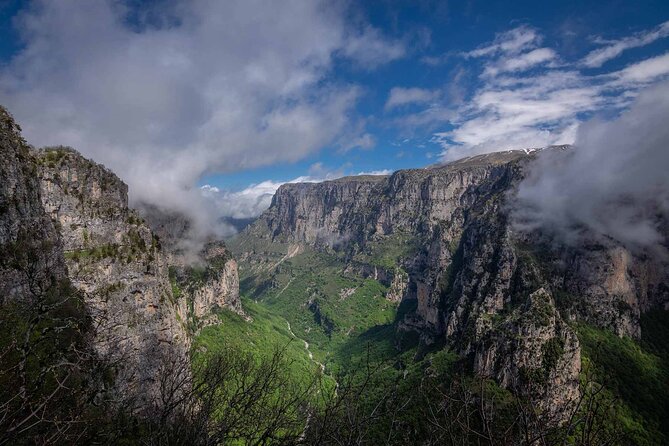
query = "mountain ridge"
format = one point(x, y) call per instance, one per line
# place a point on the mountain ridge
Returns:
point(505, 298)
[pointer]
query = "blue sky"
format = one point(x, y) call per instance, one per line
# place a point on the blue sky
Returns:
point(449, 28)
point(174, 95)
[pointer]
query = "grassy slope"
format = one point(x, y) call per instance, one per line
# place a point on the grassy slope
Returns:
point(637, 373)
point(324, 306)
point(261, 336)
point(341, 327)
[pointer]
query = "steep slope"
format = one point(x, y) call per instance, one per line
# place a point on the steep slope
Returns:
point(443, 238)
point(202, 270)
point(48, 370)
point(31, 257)
point(115, 259)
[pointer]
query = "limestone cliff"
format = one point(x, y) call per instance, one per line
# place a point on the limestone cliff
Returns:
point(31, 257)
point(115, 259)
point(65, 217)
point(202, 270)
point(443, 237)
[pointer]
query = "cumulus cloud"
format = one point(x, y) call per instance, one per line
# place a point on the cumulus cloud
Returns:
point(187, 87)
point(612, 184)
point(247, 203)
point(615, 48)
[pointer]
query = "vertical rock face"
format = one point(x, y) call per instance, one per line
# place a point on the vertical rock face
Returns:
point(31, 257)
point(65, 217)
point(221, 287)
point(501, 296)
point(115, 259)
point(201, 268)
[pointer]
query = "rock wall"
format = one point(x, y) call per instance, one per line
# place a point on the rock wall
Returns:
point(31, 256)
point(201, 266)
point(502, 296)
point(116, 260)
point(65, 219)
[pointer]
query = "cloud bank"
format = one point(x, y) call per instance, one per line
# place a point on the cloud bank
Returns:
point(613, 184)
point(163, 94)
point(529, 98)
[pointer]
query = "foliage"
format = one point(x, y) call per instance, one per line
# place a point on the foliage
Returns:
point(260, 336)
point(387, 252)
point(634, 373)
point(325, 306)
point(48, 374)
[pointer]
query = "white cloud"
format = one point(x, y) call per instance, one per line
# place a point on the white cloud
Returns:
point(613, 49)
point(402, 96)
point(247, 203)
point(510, 42)
point(613, 184)
point(363, 141)
point(370, 48)
point(514, 108)
point(214, 87)
point(521, 62)
point(253, 200)
point(645, 71)
point(383, 172)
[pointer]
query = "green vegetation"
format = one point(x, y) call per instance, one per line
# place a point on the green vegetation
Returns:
point(387, 252)
point(52, 156)
point(133, 247)
point(635, 372)
point(260, 336)
point(324, 306)
point(110, 250)
point(552, 351)
point(48, 373)
point(349, 325)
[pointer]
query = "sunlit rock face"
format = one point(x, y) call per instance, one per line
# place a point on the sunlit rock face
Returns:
point(501, 295)
point(201, 266)
point(117, 261)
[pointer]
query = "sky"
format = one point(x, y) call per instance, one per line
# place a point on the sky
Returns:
point(208, 106)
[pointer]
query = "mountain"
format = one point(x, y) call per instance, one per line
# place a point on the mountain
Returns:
point(113, 257)
point(202, 269)
point(442, 241)
point(66, 218)
point(392, 309)
point(28, 237)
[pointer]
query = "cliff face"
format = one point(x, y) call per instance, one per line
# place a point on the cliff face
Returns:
point(202, 269)
point(498, 295)
point(31, 257)
point(65, 220)
point(221, 287)
point(115, 259)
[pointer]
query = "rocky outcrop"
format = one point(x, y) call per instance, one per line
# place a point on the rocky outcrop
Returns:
point(202, 270)
point(116, 260)
point(497, 294)
point(221, 287)
point(31, 256)
point(66, 219)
